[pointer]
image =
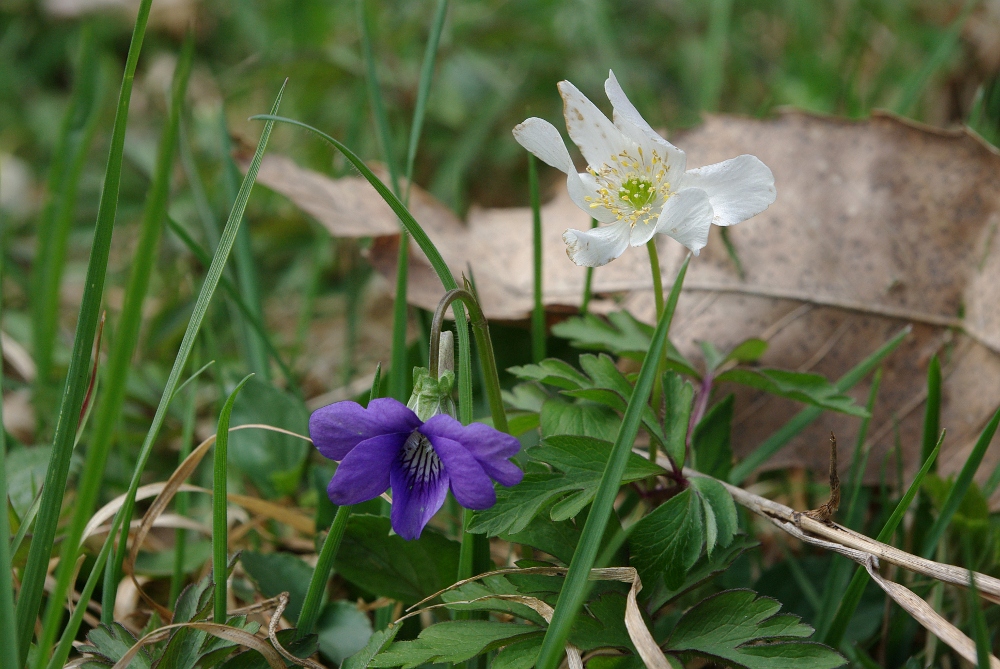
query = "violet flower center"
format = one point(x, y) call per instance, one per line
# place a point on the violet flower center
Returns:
point(419, 460)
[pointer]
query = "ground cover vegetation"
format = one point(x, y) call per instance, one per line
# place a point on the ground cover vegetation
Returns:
point(235, 229)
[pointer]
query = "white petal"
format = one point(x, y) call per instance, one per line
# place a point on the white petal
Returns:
point(589, 128)
point(634, 126)
point(739, 188)
point(687, 217)
point(598, 246)
point(584, 185)
point(542, 139)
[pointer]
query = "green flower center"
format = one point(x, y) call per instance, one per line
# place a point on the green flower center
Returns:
point(637, 192)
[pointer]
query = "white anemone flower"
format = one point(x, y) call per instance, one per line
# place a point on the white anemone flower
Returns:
point(635, 180)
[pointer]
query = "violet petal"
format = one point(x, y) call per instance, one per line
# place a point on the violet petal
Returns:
point(337, 428)
point(473, 489)
point(490, 447)
point(414, 500)
point(363, 474)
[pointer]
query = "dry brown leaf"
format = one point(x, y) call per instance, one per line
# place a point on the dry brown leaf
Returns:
point(877, 224)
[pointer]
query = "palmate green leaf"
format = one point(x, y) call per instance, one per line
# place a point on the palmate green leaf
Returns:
point(518, 655)
point(600, 382)
point(802, 387)
point(604, 627)
point(720, 512)
point(579, 418)
point(704, 569)
point(491, 585)
point(730, 627)
point(108, 643)
point(555, 538)
point(378, 641)
point(580, 462)
point(453, 641)
point(392, 567)
point(749, 350)
point(622, 334)
point(667, 542)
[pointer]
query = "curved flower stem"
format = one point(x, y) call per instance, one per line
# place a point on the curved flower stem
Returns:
point(657, 398)
point(474, 554)
point(481, 330)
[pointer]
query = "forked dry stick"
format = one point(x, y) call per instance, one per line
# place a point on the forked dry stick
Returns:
point(825, 513)
point(817, 528)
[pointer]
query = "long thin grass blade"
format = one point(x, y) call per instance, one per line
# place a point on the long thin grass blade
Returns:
point(959, 488)
point(801, 420)
point(124, 517)
point(932, 421)
point(75, 137)
point(33, 579)
point(113, 398)
point(220, 504)
point(574, 588)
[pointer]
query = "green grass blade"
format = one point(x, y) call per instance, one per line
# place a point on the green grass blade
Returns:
point(574, 588)
point(233, 293)
point(246, 268)
point(78, 375)
point(961, 486)
point(220, 505)
point(8, 638)
point(424, 91)
point(932, 421)
point(538, 313)
point(833, 585)
point(852, 596)
point(187, 342)
point(112, 399)
point(426, 245)
point(75, 137)
point(181, 500)
point(588, 281)
point(801, 420)
point(313, 602)
point(980, 633)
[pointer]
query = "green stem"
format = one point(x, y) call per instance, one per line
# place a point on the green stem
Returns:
point(575, 587)
point(661, 366)
point(588, 281)
point(538, 313)
point(321, 574)
point(654, 267)
point(484, 345)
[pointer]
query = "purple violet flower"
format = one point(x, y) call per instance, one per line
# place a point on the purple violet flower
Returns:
point(388, 445)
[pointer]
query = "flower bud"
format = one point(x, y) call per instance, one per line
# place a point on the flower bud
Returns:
point(432, 396)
